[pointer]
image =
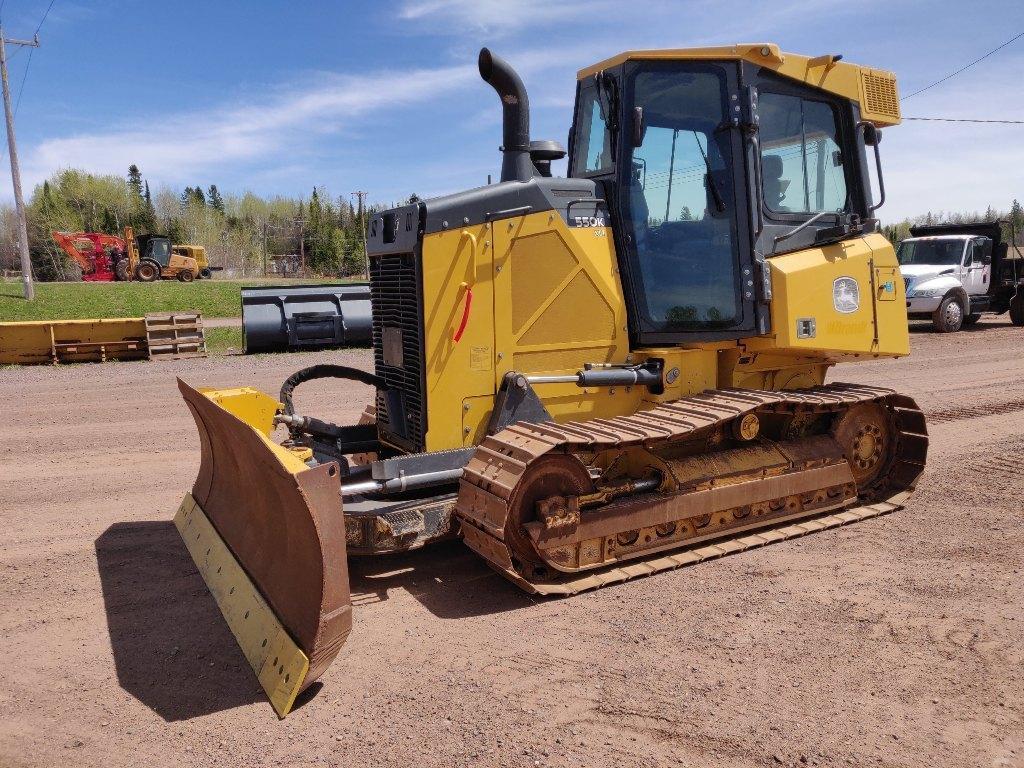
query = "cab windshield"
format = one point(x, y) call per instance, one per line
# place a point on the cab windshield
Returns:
point(160, 251)
point(930, 252)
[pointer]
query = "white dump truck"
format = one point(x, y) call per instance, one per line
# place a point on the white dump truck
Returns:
point(954, 273)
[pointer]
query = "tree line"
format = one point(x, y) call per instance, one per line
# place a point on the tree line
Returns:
point(1012, 225)
point(248, 234)
point(251, 235)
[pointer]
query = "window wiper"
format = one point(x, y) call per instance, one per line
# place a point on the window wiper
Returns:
point(802, 227)
point(607, 91)
point(838, 232)
point(719, 202)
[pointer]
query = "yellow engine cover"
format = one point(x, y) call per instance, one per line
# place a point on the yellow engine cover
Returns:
point(840, 302)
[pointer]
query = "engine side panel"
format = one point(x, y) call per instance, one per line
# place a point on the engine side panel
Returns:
point(838, 302)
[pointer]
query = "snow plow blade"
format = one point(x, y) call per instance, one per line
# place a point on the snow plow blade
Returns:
point(268, 536)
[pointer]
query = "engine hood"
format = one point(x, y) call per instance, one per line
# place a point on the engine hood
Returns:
point(923, 271)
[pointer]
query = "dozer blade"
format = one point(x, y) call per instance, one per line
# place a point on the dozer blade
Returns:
point(268, 536)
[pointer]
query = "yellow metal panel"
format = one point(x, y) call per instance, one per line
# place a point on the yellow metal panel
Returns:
point(46, 341)
point(558, 304)
point(252, 406)
point(874, 89)
point(257, 409)
point(279, 664)
point(455, 263)
point(693, 371)
point(804, 287)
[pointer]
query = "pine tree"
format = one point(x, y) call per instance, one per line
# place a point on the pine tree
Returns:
point(187, 197)
point(198, 197)
point(1016, 221)
point(214, 199)
point(135, 179)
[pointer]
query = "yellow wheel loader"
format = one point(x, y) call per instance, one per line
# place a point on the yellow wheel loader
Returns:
point(589, 378)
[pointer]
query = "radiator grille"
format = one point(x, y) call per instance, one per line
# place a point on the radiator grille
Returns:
point(394, 290)
point(880, 97)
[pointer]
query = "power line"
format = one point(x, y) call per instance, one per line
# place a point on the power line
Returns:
point(24, 77)
point(1015, 37)
point(47, 13)
point(964, 120)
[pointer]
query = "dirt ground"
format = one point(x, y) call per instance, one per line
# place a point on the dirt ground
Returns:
point(896, 642)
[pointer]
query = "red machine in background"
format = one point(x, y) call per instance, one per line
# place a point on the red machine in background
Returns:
point(97, 254)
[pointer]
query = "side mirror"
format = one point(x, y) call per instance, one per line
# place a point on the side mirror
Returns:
point(638, 126)
point(872, 137)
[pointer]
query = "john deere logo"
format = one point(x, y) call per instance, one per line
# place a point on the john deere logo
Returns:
point(845, 295)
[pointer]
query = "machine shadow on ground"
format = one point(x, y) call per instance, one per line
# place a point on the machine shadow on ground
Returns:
point(925, 326)
point(447, 578)
point(172, 649)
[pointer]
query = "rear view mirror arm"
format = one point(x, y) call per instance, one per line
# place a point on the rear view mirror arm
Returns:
point(872, 138)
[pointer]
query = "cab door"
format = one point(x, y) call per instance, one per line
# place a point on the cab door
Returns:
point(977, 268)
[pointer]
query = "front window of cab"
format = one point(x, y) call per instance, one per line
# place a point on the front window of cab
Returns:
point(160, 251)
point(801, 160)
point(681, 202)
point(931, 252)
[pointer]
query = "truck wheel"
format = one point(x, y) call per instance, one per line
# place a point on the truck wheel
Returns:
point(205, 274)
point(121, 270)
point(1017, 310)
point(186, 276)
point(147, 271)
point(949, 317)
point(971, 319)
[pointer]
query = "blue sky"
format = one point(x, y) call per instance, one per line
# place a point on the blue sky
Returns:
point(276, 97)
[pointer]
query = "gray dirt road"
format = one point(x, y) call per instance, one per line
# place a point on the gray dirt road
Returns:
point(897, 642)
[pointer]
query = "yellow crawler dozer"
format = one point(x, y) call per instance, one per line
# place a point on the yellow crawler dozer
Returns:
point(589, 378)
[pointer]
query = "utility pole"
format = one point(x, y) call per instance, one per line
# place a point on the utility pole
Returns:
point(302, 247)
point(19, 202)
point(361, 196)
point(265, 225)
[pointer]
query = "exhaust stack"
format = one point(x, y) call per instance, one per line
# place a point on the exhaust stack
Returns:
point(516, 164)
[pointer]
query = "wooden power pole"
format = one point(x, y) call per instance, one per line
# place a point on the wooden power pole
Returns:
point(19, 202)
point(361, 196)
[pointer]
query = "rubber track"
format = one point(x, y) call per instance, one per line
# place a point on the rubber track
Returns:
point(501, 460)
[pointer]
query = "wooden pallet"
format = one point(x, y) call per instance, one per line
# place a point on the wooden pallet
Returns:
point(172, 336)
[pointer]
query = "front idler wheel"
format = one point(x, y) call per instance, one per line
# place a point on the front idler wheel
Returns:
point(545, 490)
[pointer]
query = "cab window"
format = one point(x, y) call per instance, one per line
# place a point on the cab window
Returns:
point(592, 152)
point(802, 165)
point(981, 249)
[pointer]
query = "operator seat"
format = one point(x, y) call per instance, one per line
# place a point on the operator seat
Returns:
point(773, 185)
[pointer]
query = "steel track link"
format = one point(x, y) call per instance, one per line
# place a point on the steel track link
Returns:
point(501, 460)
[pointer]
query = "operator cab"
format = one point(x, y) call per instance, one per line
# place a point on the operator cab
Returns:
point(156, 248)
point(707, 168)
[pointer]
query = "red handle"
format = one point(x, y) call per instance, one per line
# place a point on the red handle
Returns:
point(465, 315)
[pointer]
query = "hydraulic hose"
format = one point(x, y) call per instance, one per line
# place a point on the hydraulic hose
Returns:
point(325, 371)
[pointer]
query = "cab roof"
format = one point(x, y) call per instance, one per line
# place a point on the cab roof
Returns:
point(873, 89)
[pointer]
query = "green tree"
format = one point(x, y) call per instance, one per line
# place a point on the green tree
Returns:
point(135, 179)
point(214, 199)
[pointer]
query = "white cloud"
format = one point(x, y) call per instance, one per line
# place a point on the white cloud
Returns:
point(496, 17)
point(187, 143)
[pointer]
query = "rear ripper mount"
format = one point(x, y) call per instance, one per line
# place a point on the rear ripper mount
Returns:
point(557, 508)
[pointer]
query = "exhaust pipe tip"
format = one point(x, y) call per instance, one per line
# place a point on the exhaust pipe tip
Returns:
point(485, 63)
point(496, 72)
